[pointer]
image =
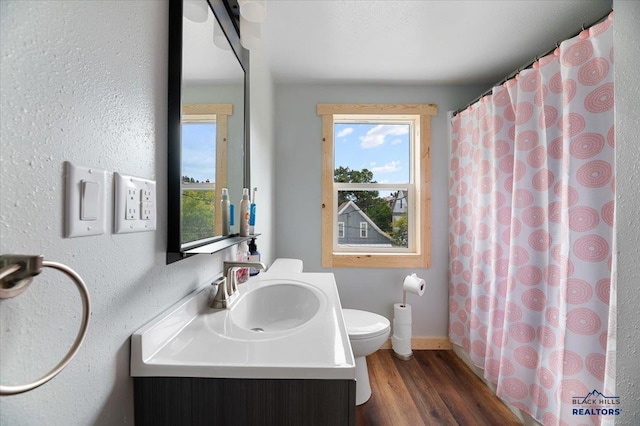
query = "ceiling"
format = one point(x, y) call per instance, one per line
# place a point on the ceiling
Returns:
point(205, 60)
point(415, 41)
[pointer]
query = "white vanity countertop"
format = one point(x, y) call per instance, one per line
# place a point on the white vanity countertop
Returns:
point(193, 340)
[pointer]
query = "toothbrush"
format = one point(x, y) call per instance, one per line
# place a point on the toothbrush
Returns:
point(252, 212)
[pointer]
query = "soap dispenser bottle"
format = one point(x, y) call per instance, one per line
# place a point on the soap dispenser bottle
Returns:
point(244, 213)
point(254, 256)
point(242, 255)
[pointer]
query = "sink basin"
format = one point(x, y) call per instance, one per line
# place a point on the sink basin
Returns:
point(283, 325)
point(276, 307)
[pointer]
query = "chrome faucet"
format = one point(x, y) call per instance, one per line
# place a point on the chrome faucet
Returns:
point(228, 286)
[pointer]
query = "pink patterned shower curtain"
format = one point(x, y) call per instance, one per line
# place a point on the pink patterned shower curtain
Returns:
point(532, 251)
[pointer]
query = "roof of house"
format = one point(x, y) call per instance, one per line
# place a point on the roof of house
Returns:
point(343, 207)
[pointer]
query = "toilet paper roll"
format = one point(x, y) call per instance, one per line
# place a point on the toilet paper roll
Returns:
point(401, 346)
point(402, 313)
point(414, 284)
point(402, 331)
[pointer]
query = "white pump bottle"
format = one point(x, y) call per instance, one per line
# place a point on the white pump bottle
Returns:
point(244, 213)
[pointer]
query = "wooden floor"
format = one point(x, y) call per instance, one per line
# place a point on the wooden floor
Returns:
point(433, 388)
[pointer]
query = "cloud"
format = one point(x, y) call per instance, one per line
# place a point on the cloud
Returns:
point(344, 132)
point(396, 141)
point(387, 168)
point(376, 136)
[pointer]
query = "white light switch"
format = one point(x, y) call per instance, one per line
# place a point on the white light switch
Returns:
point(135, 204)
point(84, 200)
point(90, 200)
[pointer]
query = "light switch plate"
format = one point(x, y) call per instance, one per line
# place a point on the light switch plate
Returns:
point(135, 204)
point(84, 201)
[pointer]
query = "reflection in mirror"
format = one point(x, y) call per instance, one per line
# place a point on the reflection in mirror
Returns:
point(207, 130)
point(212, 106)
point(204, 168)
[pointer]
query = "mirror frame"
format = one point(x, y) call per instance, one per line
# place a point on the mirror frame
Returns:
point(226, 13)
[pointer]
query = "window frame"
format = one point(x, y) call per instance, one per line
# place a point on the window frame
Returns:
point(364, 228)
point(418, 256)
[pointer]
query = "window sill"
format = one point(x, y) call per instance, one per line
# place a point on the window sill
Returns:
point(220, 245)
point(375, 260)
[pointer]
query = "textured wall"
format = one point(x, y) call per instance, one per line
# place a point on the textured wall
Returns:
point(86, 82)
point(627, 62)
point(298, 172)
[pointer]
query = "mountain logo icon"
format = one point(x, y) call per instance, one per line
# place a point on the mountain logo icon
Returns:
point(594, 394)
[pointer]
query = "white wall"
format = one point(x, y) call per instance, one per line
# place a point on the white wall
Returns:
point(298, 196)
point(86, 82)
point(627, 62)
point(262, 154)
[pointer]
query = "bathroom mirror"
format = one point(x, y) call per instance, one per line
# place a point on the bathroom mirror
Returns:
point(207, 122)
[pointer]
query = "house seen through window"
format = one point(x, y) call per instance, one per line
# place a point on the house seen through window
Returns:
point(376, 190)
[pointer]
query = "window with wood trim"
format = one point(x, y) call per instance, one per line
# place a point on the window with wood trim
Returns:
point(204, 169)
point(376, 181)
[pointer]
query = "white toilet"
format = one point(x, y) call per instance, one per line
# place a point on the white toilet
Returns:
point(367, 333)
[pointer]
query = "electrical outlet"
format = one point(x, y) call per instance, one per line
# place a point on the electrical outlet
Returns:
point(145, 195)
point(135, 204)
point(146, 204)
point(131, 212)
point(146, 211)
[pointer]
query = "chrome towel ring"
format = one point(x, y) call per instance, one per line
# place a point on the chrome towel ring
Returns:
point(16, 272)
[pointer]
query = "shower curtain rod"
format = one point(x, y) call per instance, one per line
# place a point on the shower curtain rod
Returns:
point(529, 64)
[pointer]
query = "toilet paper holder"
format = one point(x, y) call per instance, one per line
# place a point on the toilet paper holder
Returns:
point(412, 284)
point(404, 298)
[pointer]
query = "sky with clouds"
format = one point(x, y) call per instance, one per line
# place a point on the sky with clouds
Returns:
point(199, 151)
point(381, 148)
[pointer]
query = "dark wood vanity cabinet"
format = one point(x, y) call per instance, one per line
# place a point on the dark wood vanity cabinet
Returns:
point(207, 401)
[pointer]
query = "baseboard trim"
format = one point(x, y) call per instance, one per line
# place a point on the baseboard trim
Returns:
point(425, 343)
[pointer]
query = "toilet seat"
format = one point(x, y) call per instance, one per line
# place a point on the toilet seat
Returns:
point(367, 333)
point(364, 325)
